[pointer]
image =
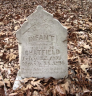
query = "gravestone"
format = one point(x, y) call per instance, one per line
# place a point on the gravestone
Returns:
point(42, 47)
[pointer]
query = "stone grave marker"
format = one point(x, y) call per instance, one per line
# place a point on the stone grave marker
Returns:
point(42, 47)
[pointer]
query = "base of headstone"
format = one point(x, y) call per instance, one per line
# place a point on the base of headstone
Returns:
point(17, 83)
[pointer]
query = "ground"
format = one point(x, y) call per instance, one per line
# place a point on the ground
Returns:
point(76, 16)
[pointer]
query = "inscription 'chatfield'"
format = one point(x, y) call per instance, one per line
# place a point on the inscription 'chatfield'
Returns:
point(42, 52)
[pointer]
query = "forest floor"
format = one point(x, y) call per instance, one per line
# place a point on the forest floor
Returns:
point(76, 16)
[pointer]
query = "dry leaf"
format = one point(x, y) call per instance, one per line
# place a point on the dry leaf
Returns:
point(84, 67)
point(60, 90)
point(2, 92)
point(13, 94)
point(35, 83)
point(1, 54)
point(86, 46)
point(66, 85)
point(11, 57)
point(28, 92)
point(1, 84)
point(29, 86)
point(7, 82)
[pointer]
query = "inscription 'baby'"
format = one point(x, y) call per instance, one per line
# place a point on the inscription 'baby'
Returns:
point(43, 37)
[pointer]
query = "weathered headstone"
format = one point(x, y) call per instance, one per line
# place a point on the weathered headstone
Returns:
point(42, 46)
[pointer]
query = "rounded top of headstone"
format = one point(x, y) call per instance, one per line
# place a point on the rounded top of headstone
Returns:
point(39, 7)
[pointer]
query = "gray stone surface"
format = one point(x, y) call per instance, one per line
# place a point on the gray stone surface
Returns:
point(42, 46)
